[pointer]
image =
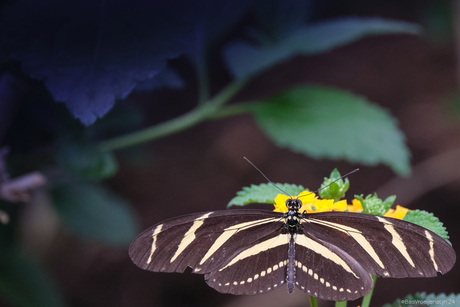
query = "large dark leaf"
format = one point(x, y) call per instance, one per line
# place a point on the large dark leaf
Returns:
point(90, 53)
point(245, 59)
point(216, 18)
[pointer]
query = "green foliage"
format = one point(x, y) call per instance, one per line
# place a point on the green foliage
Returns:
point(23, 283)
point(334, 190)
point(424, 299)
point(427, 220)
point(329, 123)
point(86, 160)
point(89, 72)
point(372, 204)
point(263, 193)
point(244, 59)
point(94, 213)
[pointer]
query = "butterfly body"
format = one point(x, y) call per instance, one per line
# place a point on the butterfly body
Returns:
point(293, 216)
point(329, 255)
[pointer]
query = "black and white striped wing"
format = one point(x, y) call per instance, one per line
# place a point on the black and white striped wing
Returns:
point(333, 254)
point(234, 248)
point(385, 247)
point(258, 268)
point(328, 272)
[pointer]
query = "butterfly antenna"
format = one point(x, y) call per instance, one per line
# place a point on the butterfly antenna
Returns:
point(269, 181)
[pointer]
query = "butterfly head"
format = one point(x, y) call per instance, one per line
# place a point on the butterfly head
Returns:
point(293, 204)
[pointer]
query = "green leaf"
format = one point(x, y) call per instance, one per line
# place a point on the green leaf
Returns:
point(86, 160)
point(24, 283)
point(372, 204)
point(92, 212)
point(323, 122)
point(263, 193)
point(244, 59)
point(427, 220)
point(334, 190)
point(423, 299)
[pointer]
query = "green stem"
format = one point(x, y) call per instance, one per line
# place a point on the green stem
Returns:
point(341, 304)
point(313, 302)
point(234, 109)
point(151, 133)
point(367, 298)
point(187, 120)
point(228, 92)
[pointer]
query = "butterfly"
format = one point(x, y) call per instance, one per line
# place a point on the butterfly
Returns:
point(328, 255)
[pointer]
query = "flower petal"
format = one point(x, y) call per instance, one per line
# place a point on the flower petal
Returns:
point(341, 205)
point(397, 213)
point(280, 203)
point(356, 206)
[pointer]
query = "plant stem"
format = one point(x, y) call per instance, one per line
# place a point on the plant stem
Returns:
point(151, 133)
point(313, 302)
point(187, 120)
point(341, 304)
point(228, 92)
point(367, 298)
point(234, 109)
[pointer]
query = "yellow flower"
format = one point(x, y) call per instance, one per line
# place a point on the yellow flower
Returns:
point(280, 203)
point(356, 206)
point(397, 213)
point(325, 205)
point(310, 203)
point(306, 197)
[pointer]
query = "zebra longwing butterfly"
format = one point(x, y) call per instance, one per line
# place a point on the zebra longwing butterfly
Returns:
point(328, 255)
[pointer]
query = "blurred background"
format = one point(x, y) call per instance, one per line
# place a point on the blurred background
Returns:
point(75, 77)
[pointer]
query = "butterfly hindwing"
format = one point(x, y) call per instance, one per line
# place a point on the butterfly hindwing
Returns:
point(385, 247)
point(327, 272)
point(258, 268)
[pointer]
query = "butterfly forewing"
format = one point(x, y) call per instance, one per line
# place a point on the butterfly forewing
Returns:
point(202, 241)
point(385, 247)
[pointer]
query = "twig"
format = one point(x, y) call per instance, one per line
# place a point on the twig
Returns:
point(18, 189)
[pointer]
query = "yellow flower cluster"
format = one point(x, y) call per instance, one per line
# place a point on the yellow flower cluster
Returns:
point(312, 204)
point(398, 213)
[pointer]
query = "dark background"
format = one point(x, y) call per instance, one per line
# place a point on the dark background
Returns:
point(202, 168)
